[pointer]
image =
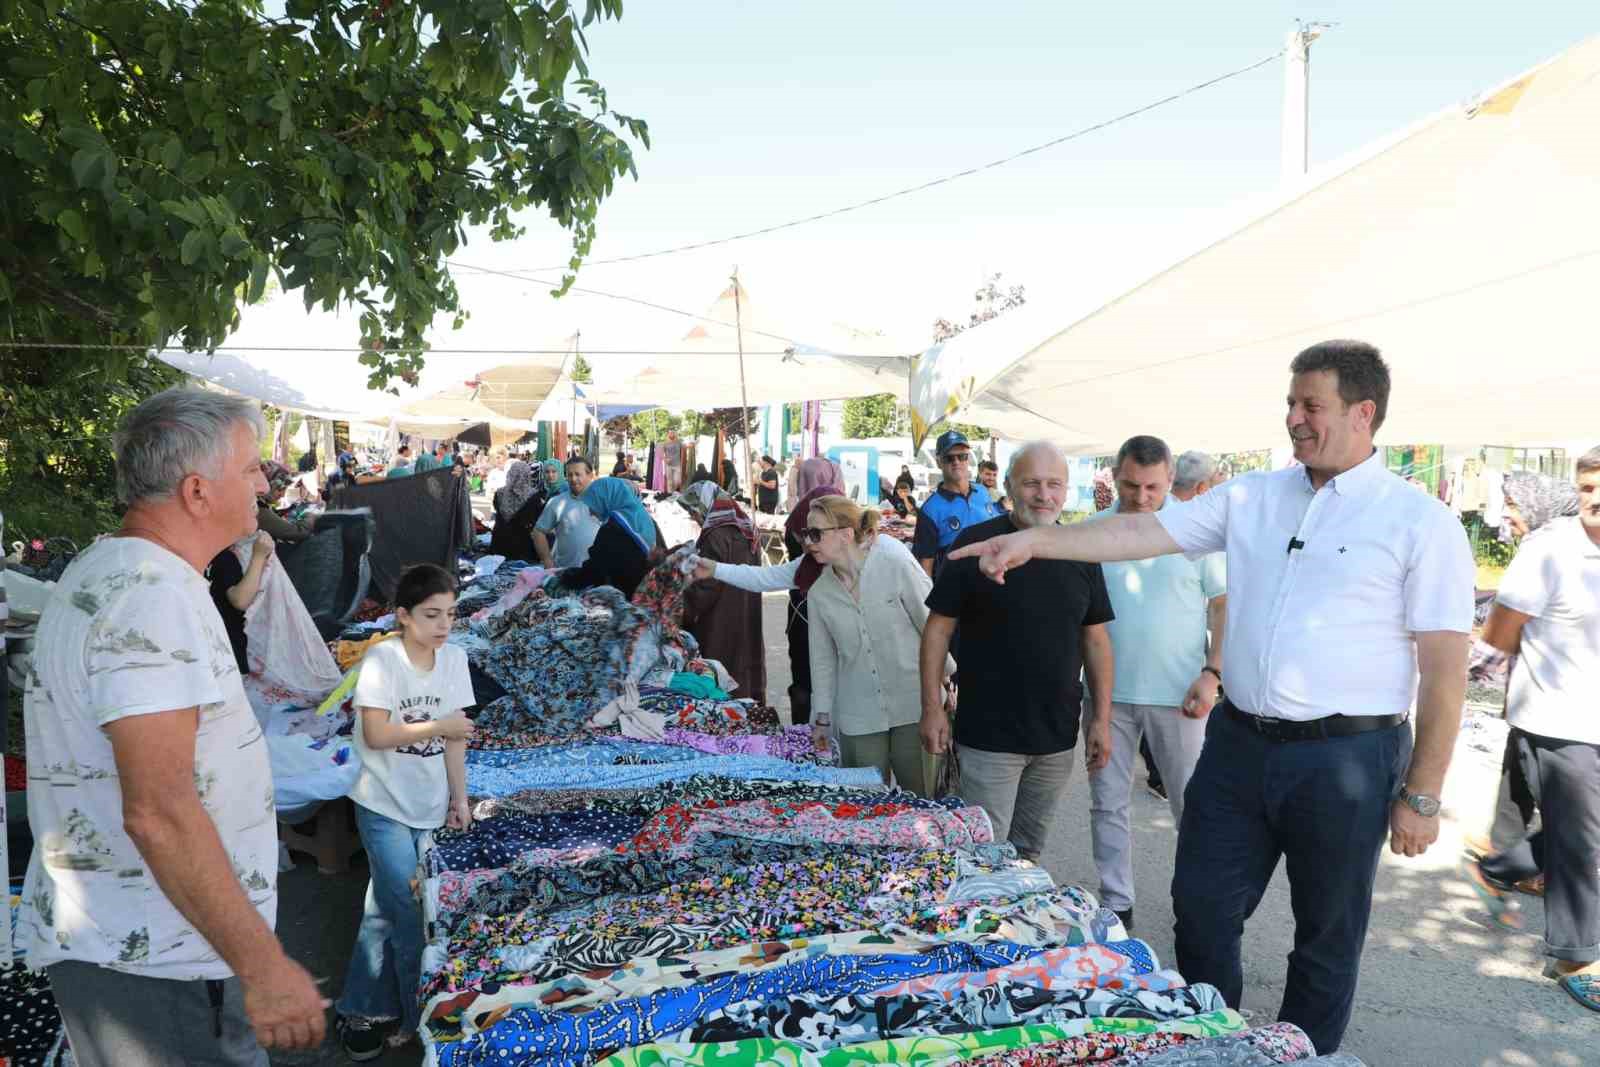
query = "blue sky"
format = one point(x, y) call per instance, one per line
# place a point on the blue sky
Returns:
point(760, 112)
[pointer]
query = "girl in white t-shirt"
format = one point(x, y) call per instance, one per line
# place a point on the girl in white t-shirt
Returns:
point(412, 737)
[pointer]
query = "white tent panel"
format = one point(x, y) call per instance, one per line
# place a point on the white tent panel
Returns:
point(1467, 248)
point(702, 369)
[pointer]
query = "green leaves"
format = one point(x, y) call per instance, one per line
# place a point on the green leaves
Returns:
point(161, 167)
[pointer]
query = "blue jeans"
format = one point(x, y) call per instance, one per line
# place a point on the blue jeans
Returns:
point(1323, 806)
point(386, 964)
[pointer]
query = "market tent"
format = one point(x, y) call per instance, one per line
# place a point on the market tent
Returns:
point(310, 362)
point(821, 361)
point(1466, 247)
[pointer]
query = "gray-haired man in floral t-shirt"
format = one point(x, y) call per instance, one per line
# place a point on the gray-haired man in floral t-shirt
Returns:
point(152, 892)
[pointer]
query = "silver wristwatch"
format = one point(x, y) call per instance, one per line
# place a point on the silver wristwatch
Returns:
point(1421, 803)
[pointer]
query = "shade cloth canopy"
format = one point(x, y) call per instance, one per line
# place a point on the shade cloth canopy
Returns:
point(1466, 247)
point(819, 361)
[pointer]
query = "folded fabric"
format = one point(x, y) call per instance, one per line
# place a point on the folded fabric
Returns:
point(827, 1022)
point(598, 769)
point(624, 712)
point(1260, 1047)
point(496, 842)
point(561, 1038)
point(835, 892)
point(469, 1011)
point(999, 1042)
point(1121, 965)
point(696, 685)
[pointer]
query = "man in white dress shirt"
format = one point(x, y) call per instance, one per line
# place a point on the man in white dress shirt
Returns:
point(1547, 613)
point(1346, 586)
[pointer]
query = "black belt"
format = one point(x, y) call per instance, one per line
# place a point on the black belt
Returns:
point(1311, 730)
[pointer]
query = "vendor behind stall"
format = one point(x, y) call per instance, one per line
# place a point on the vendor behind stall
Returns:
point(626, 547)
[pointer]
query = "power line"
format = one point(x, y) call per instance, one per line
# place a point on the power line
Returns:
point(944, 180)
point(89, 347)
point(528, 276)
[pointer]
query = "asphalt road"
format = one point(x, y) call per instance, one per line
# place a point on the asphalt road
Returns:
point(1440, 985)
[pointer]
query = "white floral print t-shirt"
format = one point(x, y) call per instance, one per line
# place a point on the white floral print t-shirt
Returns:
point(132, 631)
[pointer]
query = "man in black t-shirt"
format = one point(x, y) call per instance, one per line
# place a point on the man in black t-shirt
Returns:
point(1023, 646)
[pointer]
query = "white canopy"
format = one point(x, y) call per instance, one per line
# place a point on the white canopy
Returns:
point(702, 370)
point(310, 362)
point(1467, 248)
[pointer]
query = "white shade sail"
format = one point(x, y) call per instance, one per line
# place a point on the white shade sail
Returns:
point(701, 370)
point(1467, 248)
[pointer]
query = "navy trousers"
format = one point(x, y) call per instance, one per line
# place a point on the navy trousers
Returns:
point(1323, 807)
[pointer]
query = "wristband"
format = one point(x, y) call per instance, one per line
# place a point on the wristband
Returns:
point(1211, 670)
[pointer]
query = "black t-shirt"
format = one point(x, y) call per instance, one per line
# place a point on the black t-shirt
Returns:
point(225, 573)
point(767, 494)
point(1020, 656)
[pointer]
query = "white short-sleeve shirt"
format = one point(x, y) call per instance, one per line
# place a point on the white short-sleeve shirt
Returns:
point(408, 784)
point(1326, 587)
point(133, 631)
point(1555, 685)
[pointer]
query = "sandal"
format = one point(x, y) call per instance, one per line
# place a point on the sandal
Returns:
point(1584, 988)
point(1533, 887)
point(1503, 909)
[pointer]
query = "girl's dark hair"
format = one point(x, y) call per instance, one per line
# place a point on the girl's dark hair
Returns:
point(420, 581)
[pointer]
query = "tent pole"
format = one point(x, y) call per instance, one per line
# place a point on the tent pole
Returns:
point(744, 399)
point(577, 340)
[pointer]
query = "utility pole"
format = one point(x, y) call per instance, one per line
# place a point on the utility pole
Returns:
point(1297, 99)
point(744, 398)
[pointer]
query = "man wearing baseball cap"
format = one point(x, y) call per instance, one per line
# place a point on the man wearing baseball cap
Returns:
point(955, 504)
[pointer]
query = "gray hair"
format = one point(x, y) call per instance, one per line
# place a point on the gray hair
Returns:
point(1192, 469)
point(1589, 461)
point(174, 434)
point(1028, 450)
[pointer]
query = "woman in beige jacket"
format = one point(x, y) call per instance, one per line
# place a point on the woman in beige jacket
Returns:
point(867, 615)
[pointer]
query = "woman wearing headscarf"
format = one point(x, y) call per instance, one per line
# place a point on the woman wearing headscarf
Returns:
point(555, 483)
point(815, 478)
point(726, 620)
point(1531, 501)
point(517, 507)
point(628, 544)
point(730, 477)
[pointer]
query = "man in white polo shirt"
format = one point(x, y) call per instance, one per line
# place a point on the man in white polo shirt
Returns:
point(1350, 594)
point(1167, 639)
point(1547, 613)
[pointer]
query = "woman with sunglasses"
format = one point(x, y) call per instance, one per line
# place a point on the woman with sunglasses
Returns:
point(866, 617)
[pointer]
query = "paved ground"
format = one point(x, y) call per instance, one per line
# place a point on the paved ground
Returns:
point(1440, 986)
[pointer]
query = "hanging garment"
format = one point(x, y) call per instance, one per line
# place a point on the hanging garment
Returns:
point(422, 519)
point(289, 662)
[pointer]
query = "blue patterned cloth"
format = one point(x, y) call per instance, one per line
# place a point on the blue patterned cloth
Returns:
point(497, 841)
point(568, 1038)
point(599, 765)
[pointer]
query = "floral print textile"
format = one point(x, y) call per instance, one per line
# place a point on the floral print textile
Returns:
point(939, 1049)
point(600, 767)
point(821, 1022)
point(1120, 965)
point(553, 1038)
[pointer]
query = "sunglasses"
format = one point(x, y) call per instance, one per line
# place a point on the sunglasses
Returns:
point(813, 534)
point(958, 457)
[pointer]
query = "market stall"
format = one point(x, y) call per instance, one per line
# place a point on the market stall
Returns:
point(661, 873)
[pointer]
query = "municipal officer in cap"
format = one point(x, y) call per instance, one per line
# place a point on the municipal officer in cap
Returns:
point(956, 503)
